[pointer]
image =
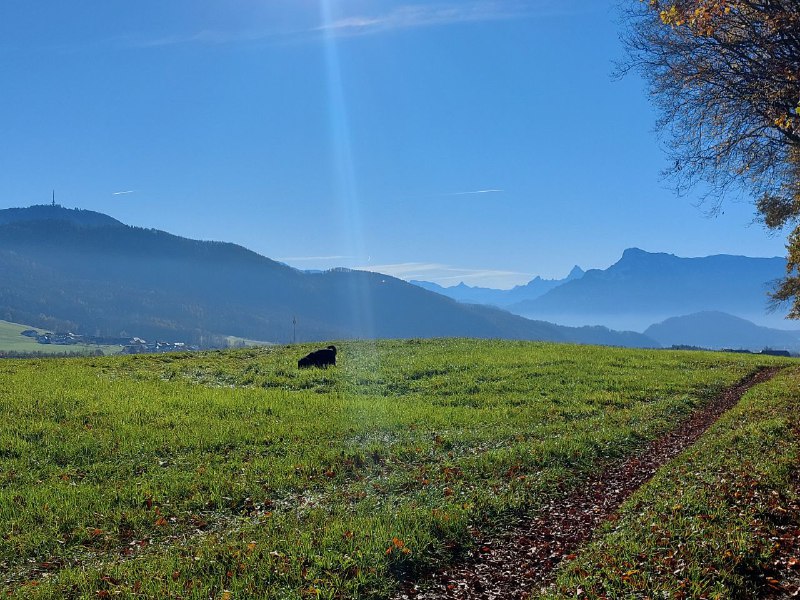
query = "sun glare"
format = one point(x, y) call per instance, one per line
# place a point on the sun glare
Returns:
point(346, 191)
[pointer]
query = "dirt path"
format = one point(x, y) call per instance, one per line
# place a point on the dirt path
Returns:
point(783, 577)
point(521, 558)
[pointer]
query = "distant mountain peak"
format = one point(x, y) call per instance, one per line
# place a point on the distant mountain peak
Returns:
point(638, 254)
point(482, 295)
point(575, 273)
point(633, 251)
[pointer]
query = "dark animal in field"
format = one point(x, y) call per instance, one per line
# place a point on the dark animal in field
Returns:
point(318, 358)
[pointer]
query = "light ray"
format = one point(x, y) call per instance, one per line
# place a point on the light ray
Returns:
point(360, 302)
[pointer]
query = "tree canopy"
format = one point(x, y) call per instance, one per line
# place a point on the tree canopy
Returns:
point(726, 77)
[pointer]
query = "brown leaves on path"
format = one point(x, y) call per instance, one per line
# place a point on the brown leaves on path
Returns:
point(521, 558)
point(783, 579)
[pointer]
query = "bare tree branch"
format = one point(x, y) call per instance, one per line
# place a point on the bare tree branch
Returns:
point(725, 75)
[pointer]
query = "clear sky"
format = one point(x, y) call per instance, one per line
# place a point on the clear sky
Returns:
point(474, 140)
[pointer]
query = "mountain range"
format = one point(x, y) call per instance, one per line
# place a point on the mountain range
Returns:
point(82, 271)
point(480, 295)
point(712, 302)
point(641, 289)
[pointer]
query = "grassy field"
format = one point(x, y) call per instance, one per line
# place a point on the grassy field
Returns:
point(709, 523)
point(234, 475)
point(12, 341)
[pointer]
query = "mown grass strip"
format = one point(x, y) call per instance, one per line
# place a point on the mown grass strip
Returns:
point(706, 525)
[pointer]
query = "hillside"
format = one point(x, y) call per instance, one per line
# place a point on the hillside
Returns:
point(73, 270)
point(643, 288)
point(718, 330)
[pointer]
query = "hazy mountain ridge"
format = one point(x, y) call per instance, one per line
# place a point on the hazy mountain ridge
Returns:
point(718, 330)
point(535, 288)
point(96, 276)
point(643, 288)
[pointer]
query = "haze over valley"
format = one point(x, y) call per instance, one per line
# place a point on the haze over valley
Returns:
point(643, 288)
point(87, 273)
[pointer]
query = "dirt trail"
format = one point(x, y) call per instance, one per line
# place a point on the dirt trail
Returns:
point(783, 576)
point(522, 558)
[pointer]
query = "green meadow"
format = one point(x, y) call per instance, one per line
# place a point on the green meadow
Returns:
point(708, 525)
point(233, 474)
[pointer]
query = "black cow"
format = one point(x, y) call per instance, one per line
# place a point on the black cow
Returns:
point(318, 358)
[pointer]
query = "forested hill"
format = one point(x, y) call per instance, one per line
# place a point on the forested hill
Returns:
point(85, 272)
point(54, 212)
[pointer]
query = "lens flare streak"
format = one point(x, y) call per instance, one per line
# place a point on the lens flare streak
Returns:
point(360, 301)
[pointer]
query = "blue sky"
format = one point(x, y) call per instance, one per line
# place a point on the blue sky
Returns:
point(483, 141)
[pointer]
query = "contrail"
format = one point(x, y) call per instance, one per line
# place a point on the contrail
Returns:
point(122, 193)
point(475, 192)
